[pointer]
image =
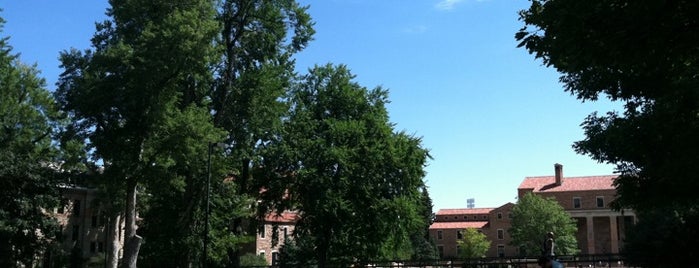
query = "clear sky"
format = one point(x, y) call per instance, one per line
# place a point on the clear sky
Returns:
point(488, 111)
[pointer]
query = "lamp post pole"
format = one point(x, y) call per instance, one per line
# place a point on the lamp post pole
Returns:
point(205, 258)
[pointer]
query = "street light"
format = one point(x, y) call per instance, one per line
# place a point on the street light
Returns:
point(205, 257)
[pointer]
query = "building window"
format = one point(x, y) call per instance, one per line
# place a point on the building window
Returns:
point(94, 221)
point(76, 207)
point(499, 215)
point(456, 217)
point(600, 201)
point(262, 232)
point(509, 215)
point(485, 217)
point(103, 218)
point(577, 203)
point(501, 251)
point(439, 235)
point(76, 232)
point(465, 218)
point(440, 250)
point(262, 253)
point(275, 258)
point(458, 250)
point(93, 246)
point(100, 246)
point(459, 235)
point(62, 206)
point(286, 233)
point(501, 234)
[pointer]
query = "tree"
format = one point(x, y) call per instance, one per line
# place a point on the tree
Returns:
point(28, 125)
point(643, 54)
point(533, 217)
point(648, 242)
point(258, 41)
point(474, 244)
point(423, 247)
point(356, 183)
point(138, 99)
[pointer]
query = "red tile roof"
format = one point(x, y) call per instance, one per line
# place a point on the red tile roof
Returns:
point(285, 217)
point(463, 211)
point(570, 184)
point(458, 225)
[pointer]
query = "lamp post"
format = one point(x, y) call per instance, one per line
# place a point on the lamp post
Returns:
point(205, 258)
point(207, 211)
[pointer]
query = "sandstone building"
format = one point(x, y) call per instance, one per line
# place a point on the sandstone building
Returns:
point(84, 226)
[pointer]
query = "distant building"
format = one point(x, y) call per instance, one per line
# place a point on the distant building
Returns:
point(83, 225)
point(283, 225)
point(600, 229)
point(449, 224)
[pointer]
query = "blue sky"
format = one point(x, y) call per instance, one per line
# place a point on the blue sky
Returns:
point(489, 112)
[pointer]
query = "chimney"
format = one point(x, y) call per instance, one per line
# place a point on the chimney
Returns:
point(559, 174)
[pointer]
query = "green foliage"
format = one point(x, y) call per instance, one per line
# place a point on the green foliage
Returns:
point(533, 217)
point(258, 41)
point(423, 248)
point(356, 182)
point(641, 53)
point(252, 260)
point(659, 234)
point(140, 99)
point(474, 244)
point(28, 122)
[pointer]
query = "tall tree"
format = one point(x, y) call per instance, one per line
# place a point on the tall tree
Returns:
point(474, 244)
point(533, 217)
point(356, 182)
point(258, 41)
point(145, 78)
point(423, 247)
point(28, 121)
point(643, 54)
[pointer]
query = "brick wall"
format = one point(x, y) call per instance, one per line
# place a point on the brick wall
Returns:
point(500, 219)
point(264, 245)
point(588, 199)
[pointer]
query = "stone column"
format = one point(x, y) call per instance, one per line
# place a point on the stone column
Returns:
point(590, 235)
point(614, 234)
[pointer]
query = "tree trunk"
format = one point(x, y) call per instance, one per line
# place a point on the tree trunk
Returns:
point(132, 241)
point(113, 241)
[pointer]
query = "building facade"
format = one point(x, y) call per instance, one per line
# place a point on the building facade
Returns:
point(600, 229)
point(85, 228)
point(275, 231)
point(494, 223)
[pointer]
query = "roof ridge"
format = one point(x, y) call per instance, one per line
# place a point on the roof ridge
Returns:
point(572, 177)
point(465, 208)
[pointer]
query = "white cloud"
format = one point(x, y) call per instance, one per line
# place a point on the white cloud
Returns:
point(447, 4)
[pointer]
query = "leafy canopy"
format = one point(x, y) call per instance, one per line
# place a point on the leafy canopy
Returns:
point(356, 182)
point(474, 244)
point(29, 122)
point(139, 100)
point(643, 54)
point(258, 40)
point(533, 217)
